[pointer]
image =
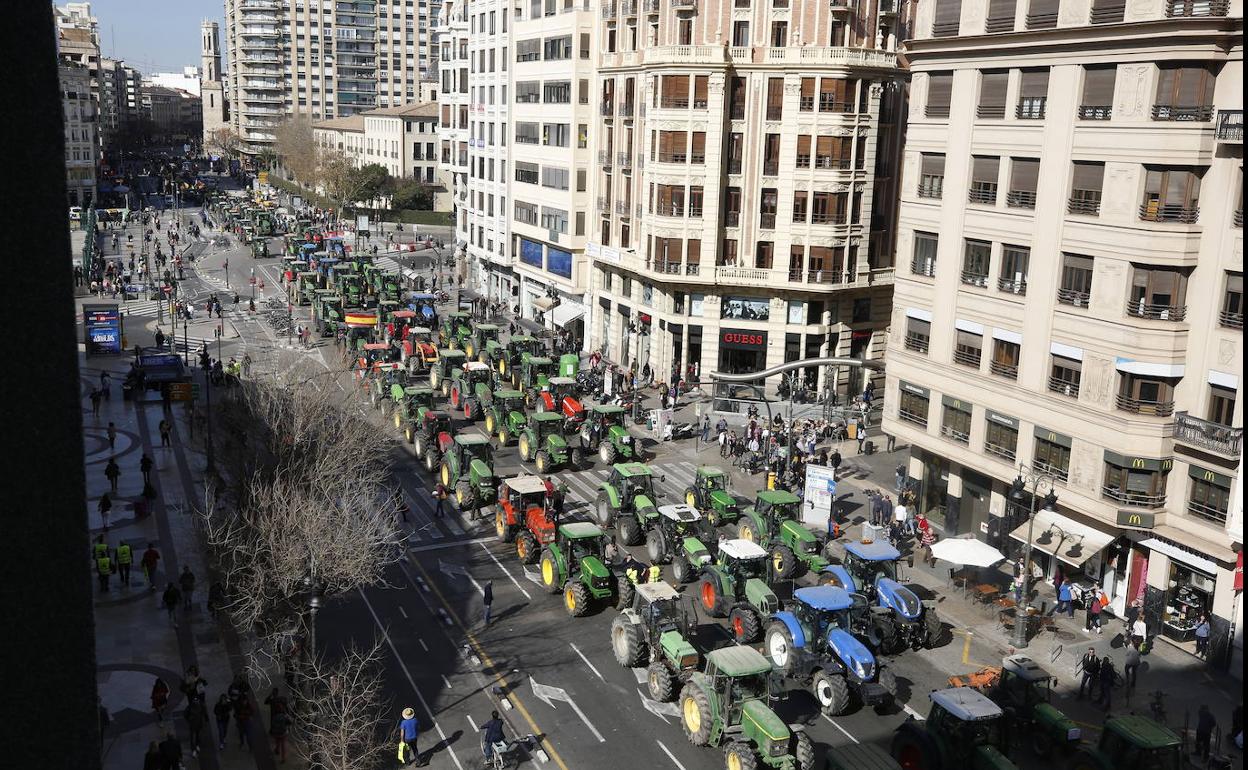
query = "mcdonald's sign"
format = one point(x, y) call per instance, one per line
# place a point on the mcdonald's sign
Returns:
point(1136, 519)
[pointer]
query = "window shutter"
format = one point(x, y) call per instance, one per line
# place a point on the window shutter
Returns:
point(948, 17)
point(992, 90)
point(1087, 176)
point(1035, 83)
point(1098, 86)
point(1002, 11)
point(986, 170)
point(939, 89)
point(1023, 175)
point(933, 164)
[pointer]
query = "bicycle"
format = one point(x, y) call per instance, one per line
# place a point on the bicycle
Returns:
point(504, 754)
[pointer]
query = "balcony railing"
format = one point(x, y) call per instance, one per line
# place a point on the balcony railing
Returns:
point(626, 109)
point(674, 103)
point(734, 166)
point(1063, 387)
point(983, 194)
point(1230, 125)
point(625, 159)
point(1195, 113)
point(1021, 199)
point(972, 278)
point(1142, 309)
point(912, 417)
point(969, 358)
point(1231, 320)
point(771, 167)
point(767, 221)
point(1031, 108)
point(1151, 212)
point(1012, 286)
point(996, 450)
point(732, 219)
point(1008, 371)
point(604, 157)
point(651, 6)
point(1056, 471)
point(623, 208)
point(667, 268)
point(1095, 112)
point(1213, 436)
point(950, 432)
point(936, 111)
point(923, 267)
point(931, 187)
point(606, 110)
point(1206, 511)
point(1196, 8)
point(1073, 297)
point(1088, 207)
point(1139, 406)
point(1133, 499)
point(803, 161)
point(917, 342)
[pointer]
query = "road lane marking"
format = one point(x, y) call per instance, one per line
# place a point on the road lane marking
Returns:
point(475, 729)
point(577, 650)
point(447, 682)
point(670, 756)
point(403, 612)
point(448, 544)
point(549, 694)
point(909, 710)
point(837, 726)
point(422, 644)
point(506, 572)
point(432, 715)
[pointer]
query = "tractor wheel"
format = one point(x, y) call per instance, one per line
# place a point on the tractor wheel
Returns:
point(710, 597)
point(628, 592)
point(933, 629)
point(398, 420)
point(783, 562)
point(525, 447)
point(542, 461)
point(489, 423)
point(627, 642)
point(432, 459)
point(469, 350)
point(577, 459)
point(683, 570)
point(656, 546)
point(550, 573)
point(882, 631)
point(629, 529)
point(576, 598)
point(433, 379)
point(606, 453)
point(515, 380)
point(914, 749)
point(501, 527)
point(778, 646)
point(888, 680)
point(832, 692)
point(746, 531)
point(502, 366)
point(455, 398)
point(1041, 742)
point(409, 434)
point(745, 625)
point(446, 388)
point(444, 475)
point(603, 511)
point(504, 437)
point(470, 409)
point(526, 547)
point(695, 715)
point(419, 447)
point(661, 682)
point(738, 755)
point(465, 496)
point(805, 751)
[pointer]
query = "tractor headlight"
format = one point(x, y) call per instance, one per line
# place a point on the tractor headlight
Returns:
point(862, 669)
point(776, 749)
point(626, 439)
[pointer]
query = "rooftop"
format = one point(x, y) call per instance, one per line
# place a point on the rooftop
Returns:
point(413, 110)
point(739, 661)
point(352, 123)
point(966, 704)
point(580, 529)
point(680, 512)
point(526, 485)
point(654, 592)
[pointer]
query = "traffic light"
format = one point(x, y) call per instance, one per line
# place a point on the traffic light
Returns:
point(1018, 488)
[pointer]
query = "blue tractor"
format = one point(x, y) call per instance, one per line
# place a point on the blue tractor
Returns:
point(897, 617)
point(812, 643)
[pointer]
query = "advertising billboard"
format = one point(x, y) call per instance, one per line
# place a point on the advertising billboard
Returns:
point(102, 325)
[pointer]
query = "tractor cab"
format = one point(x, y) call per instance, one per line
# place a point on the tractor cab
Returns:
point(260, 247)
point(518, 347)
point(386, 311)
point(709, 494)
point(742, 559)
point(522, 493)
point(373, 353)
point(869, 562)
point(482, 335)
point(660, 607)
point(468, 448)
point(776, 505)
point(456, 328)
point(969, 722)
point(352, 287)
point(419, 343)
point(822, 608)
point(391, 286)
point(739, 675)
point(579, 540)
point(304, 286)
point(440, 374)
point(560, 396)
point(632, 479)
point(1022, 686)
point(1137, 742)
point(425, 305)
point(436, 423)
point(545, 425)
point(410, 400)
point(475, 373)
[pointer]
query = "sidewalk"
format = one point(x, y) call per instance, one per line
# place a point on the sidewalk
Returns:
point(135, 641)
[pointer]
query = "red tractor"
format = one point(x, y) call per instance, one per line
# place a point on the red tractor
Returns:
point(433, 430)
point(523, 516)
point(560, 396)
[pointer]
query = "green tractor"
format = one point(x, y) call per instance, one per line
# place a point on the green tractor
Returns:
point(604, 432)
point(352, 287)
point(735, 586)
point(381, 385)
point(260, 247)
point(573, 563)
point(1131, 742)
point(468, 385)
point(542, 442)
point(1023, 690)
point(504, 414)
point(775, 523)
point(626, 500)
point(478, 342)
point(518, 348)
point(410, 404)
point(440, 371)
point(468, 469)
point(391, 287)
point(709, 494)
point(680, 535)
point(963, 731)
point(456, 328)
point(531, 376)
point(327, 311)
point(726, 704)
point(430, 431)
point(654, 630)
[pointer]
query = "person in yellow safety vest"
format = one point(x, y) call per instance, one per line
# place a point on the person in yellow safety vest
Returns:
point(633, 574)
point(124, 558)
point(655, 573)
point(104, 569)
point(100, 548)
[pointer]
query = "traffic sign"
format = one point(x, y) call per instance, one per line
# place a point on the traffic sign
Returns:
point(182, 391)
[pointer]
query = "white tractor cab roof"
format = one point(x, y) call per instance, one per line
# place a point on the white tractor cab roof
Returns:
point(418, 330)
point(1025, 668)
point(562, 381)
point(657, 592)
point(526, 485)
point(475, 366)
point(966, 704)
point(680, 512)
point(742, 549)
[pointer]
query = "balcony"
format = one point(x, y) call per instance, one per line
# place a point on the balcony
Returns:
point(983, 194)
point(1237, 218)
point(1021, 199)
point(734, 166)
point(915, 418)
point(1151, 212)
point(604, 157)
point(1011, 286)
point(969, 358)
point(1207, 512)
point(674, 102)
point(626, 109)
point(1192, 113)
point(917, 342)
point(1031, 108)
point(685, 4)
point(1141, 309)
point(999, 24)
point(1095, 112)
point(742, 276)
point(996, 450)
point(666, 268)
point(625, 159)
point(623, 208)
point(1063, 387)
point(1231, 126)
point(1150, 408)
point(672, 157)
point(1211, 436)
point(1088, 207)
point(771, 167)
point(606, 110)
point(1133, 499)
point(604, 204)
point(1008, 371)
point(931, 187)
point(651, 6)
point(990, 112)
point(1231, 320)
point(767, 221)
point(923, 267)
point(608, 10)
point(1073, 297)
point(954, 434)
point(1179, 8)
point(971, 278)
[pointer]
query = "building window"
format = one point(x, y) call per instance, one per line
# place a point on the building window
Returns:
point(1209, 496)
point(775, 98)
point(1184, 92)
point(1098, 90)
point(1140, 394)
point(1108, 12)
point(947, 18)
point(1158, 293)
point(1086, 181)
point(1024, 173)
point(1033, 94)
point(985, 171)
point(1065, 375)
point(931, 175)
point(1014, 261)
point(1135, 481)
point(1171, 195)
point(918, 335)
point(1001, 436)
point(1052, 454)
point(1005, 357)
point(1221, 405)
point(1232, 314)
point(939, 90)
point(924, 260)
point(976, 256)
point(968, 349)
point(955, 420)
point(1076, 280)
point(1000, 19)
point(913, 404)
point(862, 310)
point(1042, 14)
point(992, 90)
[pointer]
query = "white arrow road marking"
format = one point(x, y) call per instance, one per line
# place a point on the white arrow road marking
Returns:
point(641, 675)
point(548, 694)
point(837, 726)
point(386, 635)
point(577, 650)
point(506, 572)
point(534, 577)
point(660, 710)
point(670, 755)
point(906, 708)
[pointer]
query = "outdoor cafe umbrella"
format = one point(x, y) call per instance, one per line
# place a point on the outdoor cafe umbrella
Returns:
point(968, 552)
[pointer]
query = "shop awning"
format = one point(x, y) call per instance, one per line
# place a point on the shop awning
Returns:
point(1199, 552)
point(567, 312)
point(543, 303)
point(1065, 538)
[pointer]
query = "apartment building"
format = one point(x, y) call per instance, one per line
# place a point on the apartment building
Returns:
point(404, 140)
point(345, 135)
point(81, 133)
point(744, 183)
point(116, 108)
point(1071, 304)
point(406, 50)
point(451, 32)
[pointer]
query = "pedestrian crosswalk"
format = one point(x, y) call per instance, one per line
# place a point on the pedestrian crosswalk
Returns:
point(148, 308)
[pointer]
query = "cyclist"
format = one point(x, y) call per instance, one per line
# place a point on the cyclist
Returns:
point(491, 734)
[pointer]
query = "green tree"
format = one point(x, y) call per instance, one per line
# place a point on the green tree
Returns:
point(374, 182)
point(411, 194)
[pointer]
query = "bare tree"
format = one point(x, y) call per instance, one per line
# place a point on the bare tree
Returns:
point(344, 184)
point(296, 145)
point(341, 722)
point(226, 142)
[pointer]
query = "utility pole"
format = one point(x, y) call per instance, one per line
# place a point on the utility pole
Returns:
point(1018, 489)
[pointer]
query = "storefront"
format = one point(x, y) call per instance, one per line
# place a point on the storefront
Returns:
point(1058, 542)
point(742, 350)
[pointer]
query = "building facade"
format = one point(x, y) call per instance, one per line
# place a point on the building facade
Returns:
point(216, 112)
point(404, 140)
point(743, 185)
point(81, 133)
point(345, 135)
point(406, 50)
point(1072, 298)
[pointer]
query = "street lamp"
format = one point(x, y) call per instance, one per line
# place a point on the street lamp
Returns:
point(1018, 489)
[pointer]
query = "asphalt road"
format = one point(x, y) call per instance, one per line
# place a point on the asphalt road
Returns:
point(443, 661)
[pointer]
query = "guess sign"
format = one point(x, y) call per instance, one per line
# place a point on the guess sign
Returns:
point(743, 339)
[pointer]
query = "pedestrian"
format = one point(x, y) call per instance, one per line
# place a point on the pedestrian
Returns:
point(927, 538)
point(171, 752)
point(171, 598)
point(187, 582)
point(409, 735)
point(103, 570)
point(900, 515)
point(112, 436)
point(439, 495)
point(160, 698)
point(1106, 679)
point(145, 467)
point(706, 428)
point(1131, 667)
point(487, 598)
point(890, 442)
point(861, 435)
point(835, 461)
point(106, 381)
point(1090, 668)
point(222, 711)
point(165, 430)
point(491, 734)
point(901, 477)
point(152, 759)
point(105, 507)
point(1063, 598)
point(1094, 610)
point(655, 573)
point(194, 686)
point(196, 717)
point(877, 510)
point(1139, 631)
point(723, 443)
point(160, 338)
point(95, 403)
point(112, 472)
point(1205, 725)
point(151, 557)
point(1202, 637)
point(242, 720)
point(125, 557)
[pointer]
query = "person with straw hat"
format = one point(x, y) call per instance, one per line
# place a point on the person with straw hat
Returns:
point(409, 732)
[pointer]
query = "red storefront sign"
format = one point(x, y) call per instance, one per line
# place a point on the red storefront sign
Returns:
point(743, 339)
